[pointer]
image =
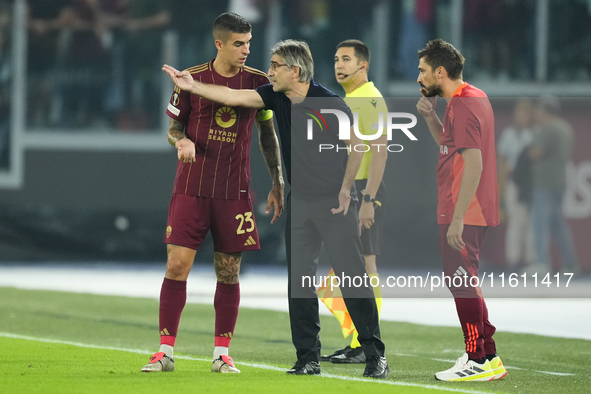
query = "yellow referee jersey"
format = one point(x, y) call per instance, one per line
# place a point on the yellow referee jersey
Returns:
point(368, 102)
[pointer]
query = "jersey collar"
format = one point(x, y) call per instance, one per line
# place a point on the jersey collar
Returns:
point(459, 90)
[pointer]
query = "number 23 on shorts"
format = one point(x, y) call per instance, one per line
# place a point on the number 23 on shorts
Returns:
point(246, 218)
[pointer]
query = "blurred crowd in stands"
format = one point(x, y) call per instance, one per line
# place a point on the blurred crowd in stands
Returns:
point(95, 64)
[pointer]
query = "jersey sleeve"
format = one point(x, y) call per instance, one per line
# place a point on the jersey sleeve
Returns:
point(263, 114)
point(267, 94)
point(179, 107)
point(466, 127)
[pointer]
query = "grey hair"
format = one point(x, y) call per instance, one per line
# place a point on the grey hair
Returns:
point(296, 54)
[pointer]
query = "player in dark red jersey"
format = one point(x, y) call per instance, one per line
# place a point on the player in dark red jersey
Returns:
point(320, 182)
point(468, 202)
point(211, 189)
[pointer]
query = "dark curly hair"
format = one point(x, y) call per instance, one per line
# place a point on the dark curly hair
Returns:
point(440, 53)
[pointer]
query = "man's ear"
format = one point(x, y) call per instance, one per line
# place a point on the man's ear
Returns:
point(218, 44)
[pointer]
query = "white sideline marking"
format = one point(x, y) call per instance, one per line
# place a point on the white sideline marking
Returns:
point(254, 365)
point(557, 373)
point(425, 386)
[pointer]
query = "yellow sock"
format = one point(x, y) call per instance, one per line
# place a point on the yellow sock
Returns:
point(377, 291)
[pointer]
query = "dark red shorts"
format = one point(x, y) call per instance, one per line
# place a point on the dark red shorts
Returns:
point(231, 222)
point(464, 262)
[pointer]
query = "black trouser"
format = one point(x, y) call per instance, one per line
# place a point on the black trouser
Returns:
point(309, 224)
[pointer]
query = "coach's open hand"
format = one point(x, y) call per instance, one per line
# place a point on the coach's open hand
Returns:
point(344, 202)
point(182, 79)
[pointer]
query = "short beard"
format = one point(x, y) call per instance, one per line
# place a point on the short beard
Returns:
point(433, 91)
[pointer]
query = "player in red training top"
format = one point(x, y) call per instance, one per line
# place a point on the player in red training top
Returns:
point(211, 189)
point(468, 202)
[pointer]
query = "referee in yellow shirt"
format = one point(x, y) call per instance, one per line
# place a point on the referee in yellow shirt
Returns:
point(351, 63)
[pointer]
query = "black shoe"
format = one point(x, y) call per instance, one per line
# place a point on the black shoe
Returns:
point(327, 357)
point(350, 356)
point(303, 367)
point(376, 367)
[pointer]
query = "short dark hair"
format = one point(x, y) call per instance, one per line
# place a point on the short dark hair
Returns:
point(440, 53)
point(361, 50)
point(228, 23)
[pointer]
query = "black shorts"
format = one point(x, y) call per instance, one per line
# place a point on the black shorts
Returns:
point(372, 238)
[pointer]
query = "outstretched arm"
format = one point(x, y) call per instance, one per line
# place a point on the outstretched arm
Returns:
point(217, 93)
point(270, 149)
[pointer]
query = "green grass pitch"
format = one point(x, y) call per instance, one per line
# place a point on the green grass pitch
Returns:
point(56, 342)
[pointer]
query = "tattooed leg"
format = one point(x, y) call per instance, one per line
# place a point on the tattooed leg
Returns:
point(226, 300)
point(227, 267)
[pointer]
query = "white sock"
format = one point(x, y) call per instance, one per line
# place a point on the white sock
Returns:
point(219, 351)
point(167, 349)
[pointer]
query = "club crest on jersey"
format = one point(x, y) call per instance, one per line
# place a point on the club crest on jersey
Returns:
point(168, 231)
point(225, 117)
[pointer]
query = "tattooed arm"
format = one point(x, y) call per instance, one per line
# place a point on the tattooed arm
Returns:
point(270, 149)
point(177, 138)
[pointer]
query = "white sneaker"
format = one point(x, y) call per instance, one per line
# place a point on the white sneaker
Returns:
point(224, 364)
point(467, 371)
point(159, 362)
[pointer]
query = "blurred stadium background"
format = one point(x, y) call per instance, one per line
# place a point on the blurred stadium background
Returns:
point(86, 172)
